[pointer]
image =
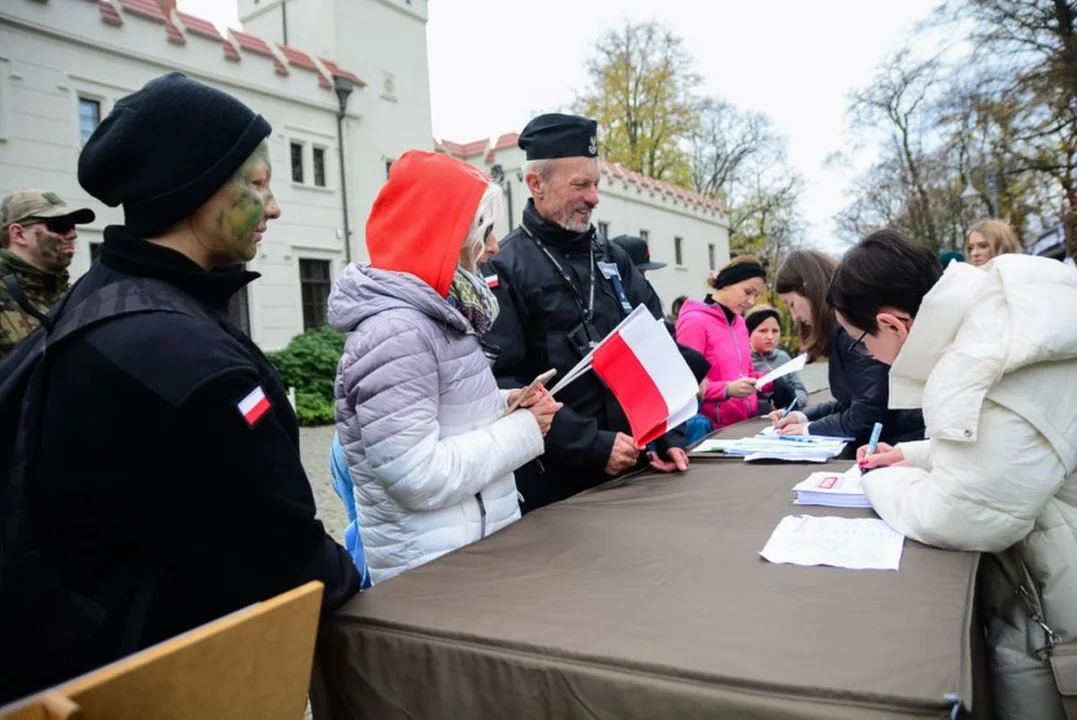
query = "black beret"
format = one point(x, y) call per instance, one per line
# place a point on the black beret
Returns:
point(556, 136)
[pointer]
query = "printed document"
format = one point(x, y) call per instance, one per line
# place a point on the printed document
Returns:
point(832, 490)
point(854, 543)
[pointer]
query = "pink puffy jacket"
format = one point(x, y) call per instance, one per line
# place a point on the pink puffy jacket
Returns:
point(705, 328)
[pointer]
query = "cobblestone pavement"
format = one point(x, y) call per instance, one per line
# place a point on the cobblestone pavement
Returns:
point(314, 445)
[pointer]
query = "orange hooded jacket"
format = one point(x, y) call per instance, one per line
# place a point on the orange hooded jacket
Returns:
point(422, 215)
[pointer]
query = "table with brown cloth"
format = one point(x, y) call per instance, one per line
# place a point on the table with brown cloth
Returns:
point(646, 598)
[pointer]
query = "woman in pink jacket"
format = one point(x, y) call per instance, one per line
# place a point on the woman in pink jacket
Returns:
point(715, 327)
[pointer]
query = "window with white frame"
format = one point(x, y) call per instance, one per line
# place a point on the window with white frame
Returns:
point(296, 154)
point(678, 250)
point(319, 166)
point(710, 256)
point(89, 117)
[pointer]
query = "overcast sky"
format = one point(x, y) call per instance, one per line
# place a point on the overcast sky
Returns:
point(495, 63)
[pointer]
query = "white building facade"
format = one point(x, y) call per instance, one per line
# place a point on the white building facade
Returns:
point(688, 232)
point(64, 64)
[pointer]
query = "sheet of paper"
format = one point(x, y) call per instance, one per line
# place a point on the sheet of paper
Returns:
point(853, 543)
point(792, 366)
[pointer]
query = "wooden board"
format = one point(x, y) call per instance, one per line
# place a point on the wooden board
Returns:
point(254, 664)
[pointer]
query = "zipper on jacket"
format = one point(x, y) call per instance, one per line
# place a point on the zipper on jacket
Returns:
point(482, 515)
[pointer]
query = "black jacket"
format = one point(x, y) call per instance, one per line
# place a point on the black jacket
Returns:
point(150, 480)
point(532, 334)
point(861, 389)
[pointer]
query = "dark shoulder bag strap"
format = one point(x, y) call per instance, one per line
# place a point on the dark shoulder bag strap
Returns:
point(19, 296)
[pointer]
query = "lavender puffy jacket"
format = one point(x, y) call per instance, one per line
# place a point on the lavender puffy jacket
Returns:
point(419, 417)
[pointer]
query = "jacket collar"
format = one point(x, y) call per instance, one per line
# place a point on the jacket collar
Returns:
point(134, 256)
point(551, 233)
point(955, 375)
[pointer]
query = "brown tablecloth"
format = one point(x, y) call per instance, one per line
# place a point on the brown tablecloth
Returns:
point(646, 598)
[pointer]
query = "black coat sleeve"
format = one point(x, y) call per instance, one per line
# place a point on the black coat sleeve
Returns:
point(573, 439)
point(253, 534)
point(509, 332)
point(867, 384)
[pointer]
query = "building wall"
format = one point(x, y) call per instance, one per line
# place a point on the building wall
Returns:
point(52, 54)
point(629, 204)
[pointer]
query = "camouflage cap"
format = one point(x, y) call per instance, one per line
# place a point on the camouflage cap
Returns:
point(43, 204)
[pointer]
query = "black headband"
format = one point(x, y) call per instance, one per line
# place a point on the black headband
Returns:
point(738, 273)
point(761, 316)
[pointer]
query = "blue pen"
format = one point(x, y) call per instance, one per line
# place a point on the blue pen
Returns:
point(873, 442)
point(785, 413)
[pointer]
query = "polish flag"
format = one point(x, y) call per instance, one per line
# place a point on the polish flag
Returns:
point(644, 369)
point(254, 406)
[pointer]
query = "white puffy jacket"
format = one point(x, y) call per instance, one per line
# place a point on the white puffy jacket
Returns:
point(419, 418)
point(992, 359)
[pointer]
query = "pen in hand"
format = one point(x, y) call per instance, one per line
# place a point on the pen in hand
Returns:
point(873, 443)
point(792, 405)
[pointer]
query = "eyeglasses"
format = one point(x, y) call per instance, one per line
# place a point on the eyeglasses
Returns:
point(859, 347)
point(60, 226)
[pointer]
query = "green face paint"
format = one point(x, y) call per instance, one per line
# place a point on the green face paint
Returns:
point(248, 196)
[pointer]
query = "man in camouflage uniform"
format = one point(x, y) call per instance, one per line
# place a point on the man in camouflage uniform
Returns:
point(37, 242)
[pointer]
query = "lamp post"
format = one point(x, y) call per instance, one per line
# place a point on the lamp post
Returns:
point(343, 88)
point(497, 174)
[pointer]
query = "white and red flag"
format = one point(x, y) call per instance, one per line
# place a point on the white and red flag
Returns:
point(644, 369)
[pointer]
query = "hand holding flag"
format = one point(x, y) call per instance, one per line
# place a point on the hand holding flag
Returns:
point(643, 368)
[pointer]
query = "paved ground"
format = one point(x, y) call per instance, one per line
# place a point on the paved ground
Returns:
point(314, 445)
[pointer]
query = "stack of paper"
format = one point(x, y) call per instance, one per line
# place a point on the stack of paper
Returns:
point(854, 543)
point(790, 449)
point(832, 490)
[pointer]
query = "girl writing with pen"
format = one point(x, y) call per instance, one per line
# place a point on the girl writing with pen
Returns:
point(858, 383)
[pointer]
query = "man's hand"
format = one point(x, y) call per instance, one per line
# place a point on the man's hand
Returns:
point(884, 456)
point(624, 455)
point(676, 461)
point(793, 429)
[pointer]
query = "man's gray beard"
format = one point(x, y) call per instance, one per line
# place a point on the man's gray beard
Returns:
point(567, 224)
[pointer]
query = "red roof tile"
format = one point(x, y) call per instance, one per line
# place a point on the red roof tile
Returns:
point(252, 43)
point(297, 57)
point(109, 14)
point(507, 140)
point(337, 71)
point(145, 8)
point(199, 26)
point(465, 150)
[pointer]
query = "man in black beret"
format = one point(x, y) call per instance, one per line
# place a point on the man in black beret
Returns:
point(562, 287)
point(167, 471)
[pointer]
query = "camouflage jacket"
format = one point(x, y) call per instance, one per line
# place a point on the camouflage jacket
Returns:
point(42, 288)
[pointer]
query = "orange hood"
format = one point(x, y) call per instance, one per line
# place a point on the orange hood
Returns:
point(422, 216)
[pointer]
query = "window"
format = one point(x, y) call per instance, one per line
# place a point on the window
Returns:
point(95, 251)
point(319, 166)
point(388, 167)
point(89, 117)
point(710, 256)
point(314, 285)
point(646, 235)
point(297, 162)
point(239, 310)
point(604, 228)
point(678, 251)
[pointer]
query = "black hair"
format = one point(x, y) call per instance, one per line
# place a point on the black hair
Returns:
point(884, 270)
